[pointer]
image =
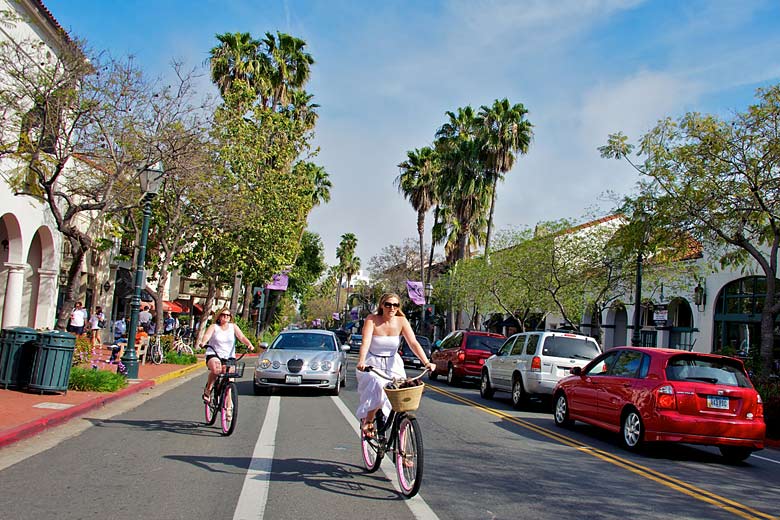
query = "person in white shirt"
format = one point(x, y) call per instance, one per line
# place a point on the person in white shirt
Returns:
point(96, 322)
point(78, 318)
point(144, 317)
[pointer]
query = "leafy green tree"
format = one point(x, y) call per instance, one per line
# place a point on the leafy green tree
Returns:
point(717, 179)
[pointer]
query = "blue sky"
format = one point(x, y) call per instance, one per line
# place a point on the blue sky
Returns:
point(387, 71)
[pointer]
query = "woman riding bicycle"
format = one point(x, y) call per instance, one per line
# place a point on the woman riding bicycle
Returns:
point(220, 340)
point(381, 338)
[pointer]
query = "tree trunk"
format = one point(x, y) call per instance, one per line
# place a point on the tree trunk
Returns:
point(338, 294)
point(272, 301)
point(212, 291)
point(490, 225)
point(78, 251)
point(247, 301)
point(235, 292)
point(595, 325)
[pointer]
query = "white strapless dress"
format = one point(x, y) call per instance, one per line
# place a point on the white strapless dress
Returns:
point(383, 355)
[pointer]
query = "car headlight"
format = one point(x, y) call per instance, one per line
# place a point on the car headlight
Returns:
point(264, 363)
point(326, 365)
point(314, 365)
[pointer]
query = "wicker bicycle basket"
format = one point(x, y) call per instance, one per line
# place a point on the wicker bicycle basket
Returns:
point(236, 370)
point(405, 399)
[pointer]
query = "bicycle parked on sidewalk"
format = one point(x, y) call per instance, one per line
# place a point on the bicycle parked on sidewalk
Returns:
point(181, 344)
point(224, 396)
point(156, 349)
point(399, 433)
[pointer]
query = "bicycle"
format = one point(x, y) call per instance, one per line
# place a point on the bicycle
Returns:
point(181, 345)
point(399, 434)
point(224, 396)
point(156, 349)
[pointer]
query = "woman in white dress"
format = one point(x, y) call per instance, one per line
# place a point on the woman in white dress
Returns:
point(381, 338)
point(220, 340)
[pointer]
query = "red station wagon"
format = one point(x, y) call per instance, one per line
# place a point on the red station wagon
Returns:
point(463, 353)
point(655, 394)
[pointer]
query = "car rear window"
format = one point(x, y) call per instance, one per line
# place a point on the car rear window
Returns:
point(721, 371)
point(486, 343)
point(566, 347)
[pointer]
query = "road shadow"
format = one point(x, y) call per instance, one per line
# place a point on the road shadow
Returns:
point(334, 477)
point(170, 426)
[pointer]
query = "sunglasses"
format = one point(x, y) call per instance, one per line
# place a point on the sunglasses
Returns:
point(225, 314)
point(389, 305)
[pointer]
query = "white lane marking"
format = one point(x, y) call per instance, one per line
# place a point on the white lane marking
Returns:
point(766, 459)
point(254, 494)
point(419, 508)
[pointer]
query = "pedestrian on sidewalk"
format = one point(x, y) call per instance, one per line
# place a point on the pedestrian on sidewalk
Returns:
point(96, 322)
point(78, 318)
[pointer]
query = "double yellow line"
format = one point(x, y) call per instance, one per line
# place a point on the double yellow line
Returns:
point(698, 493)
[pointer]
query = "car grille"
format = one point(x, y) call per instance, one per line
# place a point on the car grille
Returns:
point(295, 365)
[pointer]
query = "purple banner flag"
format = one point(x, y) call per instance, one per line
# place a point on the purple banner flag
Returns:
point(336, 316)
point(278, 283)
point(416, 292)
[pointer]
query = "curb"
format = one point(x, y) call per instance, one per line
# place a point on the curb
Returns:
point(27, 430)
point(178, 373)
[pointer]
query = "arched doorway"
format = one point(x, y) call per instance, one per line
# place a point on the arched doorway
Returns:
point(617, 334)
point(11, 270)
point(40, 281)
point(738, 317)
point(680, 321)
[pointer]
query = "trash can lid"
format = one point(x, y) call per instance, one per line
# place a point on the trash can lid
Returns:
point(55, 333)
point(21, 330)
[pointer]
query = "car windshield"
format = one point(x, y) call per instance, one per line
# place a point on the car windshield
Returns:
point(708, 370)
point(303, 342)
point(567, 347)
point(486, 343)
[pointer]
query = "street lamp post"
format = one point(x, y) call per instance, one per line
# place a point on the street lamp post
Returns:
point(636, 335)
point(151, 180)
point(428, 294)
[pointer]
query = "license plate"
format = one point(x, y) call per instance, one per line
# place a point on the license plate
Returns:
point(720, 403)
point(416, 361)
point(293, 380)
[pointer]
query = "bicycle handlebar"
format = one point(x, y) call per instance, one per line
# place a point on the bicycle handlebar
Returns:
point(381, 374)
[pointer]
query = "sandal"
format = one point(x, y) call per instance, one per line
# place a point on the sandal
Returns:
point(368, 430)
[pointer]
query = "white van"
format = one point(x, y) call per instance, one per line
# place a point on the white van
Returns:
point(531, 363)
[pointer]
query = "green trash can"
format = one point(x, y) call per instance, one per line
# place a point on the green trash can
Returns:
point(16, 349)
point(53, 359)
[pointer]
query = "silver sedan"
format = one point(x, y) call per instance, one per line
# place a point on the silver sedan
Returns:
point(302, 358)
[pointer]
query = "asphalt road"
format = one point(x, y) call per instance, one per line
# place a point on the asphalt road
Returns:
point(295, 455)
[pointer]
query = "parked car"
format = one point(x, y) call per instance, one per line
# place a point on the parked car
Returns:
point(655, 394)
point(342, 334)
point(462, 354)
point(355, 340)
point(311, 358)
point(410, 360)
point(531, 363)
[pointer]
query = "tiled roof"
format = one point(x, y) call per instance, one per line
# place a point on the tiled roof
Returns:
point(53, 21)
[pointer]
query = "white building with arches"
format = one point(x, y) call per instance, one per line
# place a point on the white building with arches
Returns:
point(30, 245)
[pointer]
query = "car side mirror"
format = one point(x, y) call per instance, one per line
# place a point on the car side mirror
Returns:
point(263, 345)
point(576, 371)
point(345, 348)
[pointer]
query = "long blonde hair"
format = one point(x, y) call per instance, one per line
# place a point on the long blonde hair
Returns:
point(386, 297)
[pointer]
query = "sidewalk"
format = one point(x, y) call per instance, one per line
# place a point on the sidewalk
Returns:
point(26, 413)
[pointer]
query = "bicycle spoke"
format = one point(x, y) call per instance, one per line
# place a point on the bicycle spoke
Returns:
point(409, 456)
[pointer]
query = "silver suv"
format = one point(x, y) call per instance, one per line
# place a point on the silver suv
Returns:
point(530, 363)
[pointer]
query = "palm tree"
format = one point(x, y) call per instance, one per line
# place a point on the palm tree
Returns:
point(417, 182)
point(345, 252)
point(235, 58)
point(507, 133)
point(290, 67)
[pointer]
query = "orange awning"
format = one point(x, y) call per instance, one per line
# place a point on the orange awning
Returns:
point(172, 307)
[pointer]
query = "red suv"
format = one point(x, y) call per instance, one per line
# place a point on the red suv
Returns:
point(463, 353)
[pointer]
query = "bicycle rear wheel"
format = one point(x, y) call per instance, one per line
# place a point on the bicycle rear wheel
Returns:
point(229, 409)
point(372, 449)
point(211, 406)
point(409, 456)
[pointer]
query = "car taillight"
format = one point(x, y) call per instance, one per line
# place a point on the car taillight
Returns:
point(665, 398)
point(461, 355)
point(759, 413)
point(536, 364)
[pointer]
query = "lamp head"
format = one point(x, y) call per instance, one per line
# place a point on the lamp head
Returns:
point(152, 178)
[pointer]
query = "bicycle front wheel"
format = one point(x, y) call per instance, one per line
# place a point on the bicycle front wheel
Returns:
point(211, 406)
point(157, 354)
point(229, 409)
point(409, 456)
point(372, 449)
